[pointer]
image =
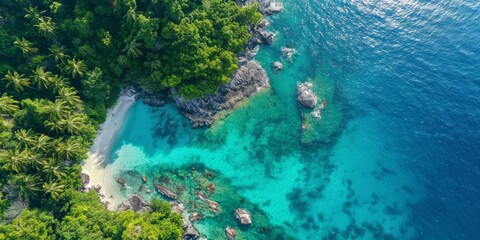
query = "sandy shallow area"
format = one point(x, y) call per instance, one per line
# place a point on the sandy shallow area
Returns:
point(96, 165)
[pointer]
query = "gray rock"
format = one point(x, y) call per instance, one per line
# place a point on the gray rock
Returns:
point(274, 7)
point(154, 100)
point(277, 66)
point(166, 192)
point(124, 206)
point(248, 80)
point(243, 216)
point(190, 232)
point(305, 95)
point(138, 204)
point(85, 181)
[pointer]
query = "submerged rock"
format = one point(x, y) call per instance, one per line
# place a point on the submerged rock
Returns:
point(213, 206)
point(277, 66)
point(211, 188)
point(247, 80)
point(122, 182)
point(195, 217)
point(243, 216)
point(165, 192)
point(231, 233)
point(305, 95)
point(288, 52)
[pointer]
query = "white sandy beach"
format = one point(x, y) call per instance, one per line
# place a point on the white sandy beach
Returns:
point(95, 165)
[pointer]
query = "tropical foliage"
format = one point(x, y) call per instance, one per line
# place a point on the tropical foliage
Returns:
point(62, 64)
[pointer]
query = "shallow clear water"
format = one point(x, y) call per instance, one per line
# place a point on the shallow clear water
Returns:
point(396, 153)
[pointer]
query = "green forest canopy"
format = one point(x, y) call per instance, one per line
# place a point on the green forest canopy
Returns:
point(62, 64)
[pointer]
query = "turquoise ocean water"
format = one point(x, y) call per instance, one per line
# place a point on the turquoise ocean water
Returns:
point(396, 153)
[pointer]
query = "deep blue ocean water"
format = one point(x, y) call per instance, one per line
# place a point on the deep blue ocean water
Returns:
point(397, 155)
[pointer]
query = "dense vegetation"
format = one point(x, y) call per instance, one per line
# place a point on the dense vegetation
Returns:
point(62, 64)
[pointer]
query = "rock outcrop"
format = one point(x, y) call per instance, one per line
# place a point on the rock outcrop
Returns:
point(135, 203)
point(154, 100)
point(190, 232)
point(247, 80)
point(166, 192)
point(243, 216)
point(85, 181)
point(305, 95)
point(231, 233)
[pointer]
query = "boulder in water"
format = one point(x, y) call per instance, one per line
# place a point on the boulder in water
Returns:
point(277, 66)
point(165, 192)
point(231, 233)
point(213, 206)
point(243, 216)
point(305, 95)
point(274, 7)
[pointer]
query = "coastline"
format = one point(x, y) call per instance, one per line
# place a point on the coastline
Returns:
point(96, 165)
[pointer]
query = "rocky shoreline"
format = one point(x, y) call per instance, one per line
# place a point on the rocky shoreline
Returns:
point(249, 79)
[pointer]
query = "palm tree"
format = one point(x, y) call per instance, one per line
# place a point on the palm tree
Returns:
point(133, 49)
point(14, 160)
point(28, 185)
point(34, 14)
point(41, 78)
point(43, 144)
point(8, 105)
point(54, 189)
point(68, 149)
point(54, 125)
point(131, 16)
point(16, 80)
point(59, 109)
point(26, 138)
point(52, 169)
point(46, 27)
point(73, 123)
point(152, 63)
point(58, 53)
point(58, 82)
point(69, 95)
point(25, 46)
point(76, 67)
